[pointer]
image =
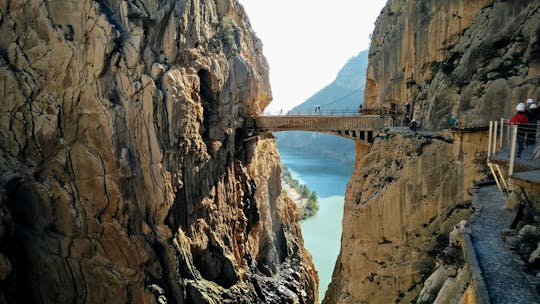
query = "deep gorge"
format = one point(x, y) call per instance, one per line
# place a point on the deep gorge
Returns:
point(127, 175)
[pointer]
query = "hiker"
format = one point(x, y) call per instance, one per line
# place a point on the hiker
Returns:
point(533, 114)
point(520, 119)
point(413, 125)
point(452, 122)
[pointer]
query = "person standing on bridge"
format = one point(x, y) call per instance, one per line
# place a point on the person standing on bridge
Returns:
point(520, 119)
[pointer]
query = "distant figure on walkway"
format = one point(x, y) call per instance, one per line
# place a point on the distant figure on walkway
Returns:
point(413, 125)
point(360, 109)
point(452, 122)
point(520, 119)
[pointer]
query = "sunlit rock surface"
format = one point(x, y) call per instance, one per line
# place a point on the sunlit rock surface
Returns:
point(471, 59)
point(124, 170)
point(403, 195)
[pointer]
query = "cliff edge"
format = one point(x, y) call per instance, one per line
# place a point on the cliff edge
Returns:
point(125, 172)
point(430, 60)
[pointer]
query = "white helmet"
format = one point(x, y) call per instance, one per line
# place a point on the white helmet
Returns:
point(520, 107)
point(530, 100)
point(532, 106)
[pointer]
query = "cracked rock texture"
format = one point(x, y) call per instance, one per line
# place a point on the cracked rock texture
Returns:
point(403, 199)
point(473, 59)
point(123, 165)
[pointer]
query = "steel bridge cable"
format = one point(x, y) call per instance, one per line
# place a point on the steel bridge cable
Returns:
point(343, 97)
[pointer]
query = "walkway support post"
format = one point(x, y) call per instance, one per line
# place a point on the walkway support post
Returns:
point(489, 139)
point(495, 125)
point(495, 176)
point(502, 135)
point(508, 137)
point(512, 150)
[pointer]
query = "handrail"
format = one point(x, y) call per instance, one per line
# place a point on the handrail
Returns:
point(504, 137)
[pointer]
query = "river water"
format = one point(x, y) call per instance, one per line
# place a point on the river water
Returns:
point(322, 232)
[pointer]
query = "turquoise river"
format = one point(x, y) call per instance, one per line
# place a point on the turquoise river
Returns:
point(322, 232)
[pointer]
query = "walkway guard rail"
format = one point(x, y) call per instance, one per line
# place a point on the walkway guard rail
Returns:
point(319, 123)
point(503, 138)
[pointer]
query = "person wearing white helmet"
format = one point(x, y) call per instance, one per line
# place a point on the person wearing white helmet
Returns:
point(533, 113)
point(520, 119)
point(530, 101)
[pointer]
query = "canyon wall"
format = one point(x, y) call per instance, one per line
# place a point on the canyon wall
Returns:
point(472, 59)
point(401, 202)
point(125, 172)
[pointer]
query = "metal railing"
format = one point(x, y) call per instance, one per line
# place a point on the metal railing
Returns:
point(504, 138)
point(324, 111)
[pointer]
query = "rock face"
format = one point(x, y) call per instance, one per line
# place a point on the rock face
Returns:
point(123, 164)
point(473, 59)
point(405, 193)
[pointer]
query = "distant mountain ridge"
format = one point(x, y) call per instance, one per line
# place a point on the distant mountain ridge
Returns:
point(346, 91)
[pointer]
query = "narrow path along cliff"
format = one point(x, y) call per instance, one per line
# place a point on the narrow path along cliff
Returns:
point(502, 270)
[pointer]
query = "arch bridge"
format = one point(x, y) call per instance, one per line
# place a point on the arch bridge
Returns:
point(361, 128)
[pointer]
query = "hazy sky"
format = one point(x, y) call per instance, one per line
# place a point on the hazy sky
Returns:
point(306, 42)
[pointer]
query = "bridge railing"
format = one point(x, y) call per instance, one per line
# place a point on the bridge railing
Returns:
point(319, 123)
point(325, 111)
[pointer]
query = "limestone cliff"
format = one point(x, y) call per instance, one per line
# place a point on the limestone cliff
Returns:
point(472, 59)
point(403, 195)
point(124, 169)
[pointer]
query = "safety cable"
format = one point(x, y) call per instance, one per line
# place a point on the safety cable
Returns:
point(343, 97)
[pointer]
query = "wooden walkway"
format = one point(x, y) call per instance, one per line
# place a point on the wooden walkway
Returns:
point(357, 127)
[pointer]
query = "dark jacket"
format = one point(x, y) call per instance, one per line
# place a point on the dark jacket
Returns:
point(533, 115)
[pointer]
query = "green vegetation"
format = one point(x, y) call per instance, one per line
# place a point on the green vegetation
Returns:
point(312, 205)
point(226, 31)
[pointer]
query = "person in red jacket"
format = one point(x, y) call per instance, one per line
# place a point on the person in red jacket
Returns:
point(520, 119)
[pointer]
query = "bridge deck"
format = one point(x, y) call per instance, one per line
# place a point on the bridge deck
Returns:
point(319, 123)
point(356, 127)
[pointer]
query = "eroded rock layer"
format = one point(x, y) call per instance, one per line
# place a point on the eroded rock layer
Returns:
point(124, 169)
point(473, 59)
point(402, 201)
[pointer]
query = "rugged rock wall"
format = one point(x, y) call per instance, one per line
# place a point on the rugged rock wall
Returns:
point(473, 59)
point(401, 202)
point(124, 170)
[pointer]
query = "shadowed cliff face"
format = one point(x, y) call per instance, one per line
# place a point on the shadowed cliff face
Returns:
point(473, 59)
point(124, 170)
